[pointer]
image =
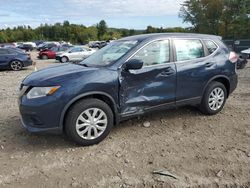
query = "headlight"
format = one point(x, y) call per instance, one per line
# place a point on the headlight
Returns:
point(37, 92)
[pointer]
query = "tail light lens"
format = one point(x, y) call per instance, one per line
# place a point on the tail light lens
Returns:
point(233, 57)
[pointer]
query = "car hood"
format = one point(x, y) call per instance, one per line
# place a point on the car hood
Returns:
point(56, 75)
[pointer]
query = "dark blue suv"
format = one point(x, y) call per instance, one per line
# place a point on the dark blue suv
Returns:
point(127, 78)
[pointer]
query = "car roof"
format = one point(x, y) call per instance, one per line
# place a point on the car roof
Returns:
point(154, 36)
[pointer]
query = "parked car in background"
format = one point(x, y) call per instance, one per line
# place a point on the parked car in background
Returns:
point(38, 42)
point(238, 45)
point(51, 53)
point(31, 43)
point(97, 44)
point(246, 53)
point(77, 53)
point(241, 63)
point(155, 72)
point(47, 45)
point(26, 47)
point(8, 45)
point(15, 59)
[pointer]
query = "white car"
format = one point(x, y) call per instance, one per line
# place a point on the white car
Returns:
point(76, 53)
point(246, 52)
point(31, 43)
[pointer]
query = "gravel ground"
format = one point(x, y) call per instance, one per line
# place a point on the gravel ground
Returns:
point(200, 151)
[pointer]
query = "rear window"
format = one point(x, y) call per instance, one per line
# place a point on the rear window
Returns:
point(188, 49)
point(211, 46)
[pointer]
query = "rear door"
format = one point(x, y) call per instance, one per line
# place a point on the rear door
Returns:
point(195, 66)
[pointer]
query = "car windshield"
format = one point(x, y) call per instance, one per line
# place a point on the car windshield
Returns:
point(110, 53)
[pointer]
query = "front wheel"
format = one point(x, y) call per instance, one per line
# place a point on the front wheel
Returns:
point(89, 121)
point(64, 59)
point(214, 98)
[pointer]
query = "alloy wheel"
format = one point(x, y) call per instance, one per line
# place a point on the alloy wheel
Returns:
point(216, 98)
point(91, 123)
point(16, 65)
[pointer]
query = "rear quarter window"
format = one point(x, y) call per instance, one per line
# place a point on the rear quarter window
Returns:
point(211, 46)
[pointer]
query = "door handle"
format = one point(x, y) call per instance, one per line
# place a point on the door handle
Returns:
point(168, 71)
point(209, 64)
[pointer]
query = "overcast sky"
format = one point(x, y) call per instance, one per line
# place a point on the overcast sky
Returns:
point(117, 13)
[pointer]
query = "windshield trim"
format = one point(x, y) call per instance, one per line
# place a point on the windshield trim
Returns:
point(113, 62)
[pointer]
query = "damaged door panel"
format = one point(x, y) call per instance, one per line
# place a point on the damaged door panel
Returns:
point(154, 84)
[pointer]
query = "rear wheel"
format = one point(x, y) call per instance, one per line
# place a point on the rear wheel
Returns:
point(214, 98)
point(64, 59)
point(16, 65)
point(89, 121)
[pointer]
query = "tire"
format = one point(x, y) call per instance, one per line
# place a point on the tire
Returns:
point(64, 59)
point(44, 57)
point(77, 117)
point(16, 65)
point(213, 99)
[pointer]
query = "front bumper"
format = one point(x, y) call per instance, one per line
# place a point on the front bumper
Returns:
point(55, 130)
point(27, 63)
point(41, 114)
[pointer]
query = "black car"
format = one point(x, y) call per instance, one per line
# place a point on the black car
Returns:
point(128, 78)
point(15, 59)
point(26, 47)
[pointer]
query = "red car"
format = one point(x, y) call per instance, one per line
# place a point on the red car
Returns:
point(51, 53)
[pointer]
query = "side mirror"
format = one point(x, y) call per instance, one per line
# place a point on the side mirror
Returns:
point(133, 64)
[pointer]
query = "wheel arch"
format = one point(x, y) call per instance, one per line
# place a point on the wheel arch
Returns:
point(222, 79)
point(108, 99)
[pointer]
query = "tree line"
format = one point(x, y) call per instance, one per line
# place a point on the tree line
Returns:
point(227, 18)
point(76, 34)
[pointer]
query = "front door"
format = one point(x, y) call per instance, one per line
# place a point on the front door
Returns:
point(152, 85)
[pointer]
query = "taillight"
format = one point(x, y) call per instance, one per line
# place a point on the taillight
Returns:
point(233, 57)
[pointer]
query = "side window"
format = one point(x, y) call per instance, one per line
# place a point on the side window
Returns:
point(188, 49)
point(155, 53)
point(211, 46)
point(76, 50)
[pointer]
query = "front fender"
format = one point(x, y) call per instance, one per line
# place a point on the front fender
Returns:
point(81, 96)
